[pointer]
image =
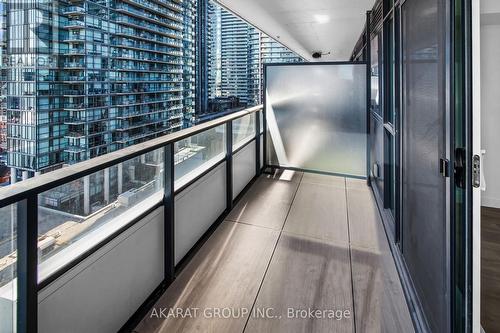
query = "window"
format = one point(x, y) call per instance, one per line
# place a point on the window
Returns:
point(391, 116)
point(375, 76)
point(390, 99)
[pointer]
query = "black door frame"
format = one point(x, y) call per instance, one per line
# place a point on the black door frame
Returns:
point(461, 190)
point(456, 41)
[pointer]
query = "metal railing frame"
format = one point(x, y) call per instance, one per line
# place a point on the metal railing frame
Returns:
point(25, 195)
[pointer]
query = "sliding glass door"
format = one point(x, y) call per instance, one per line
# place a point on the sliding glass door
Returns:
point(425, 165)
point(462, 177)
point(421, 137)
point(391, 110)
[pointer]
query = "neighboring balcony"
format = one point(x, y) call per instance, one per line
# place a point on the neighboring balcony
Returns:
point(73, 11)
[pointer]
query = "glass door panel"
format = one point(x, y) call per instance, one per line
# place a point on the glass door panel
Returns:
point(425, 235)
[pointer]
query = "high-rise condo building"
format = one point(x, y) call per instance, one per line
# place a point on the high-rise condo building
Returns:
point(84, 78)
point(237, 52)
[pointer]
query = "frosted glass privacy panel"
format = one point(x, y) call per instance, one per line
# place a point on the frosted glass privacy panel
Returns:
point(316, 117)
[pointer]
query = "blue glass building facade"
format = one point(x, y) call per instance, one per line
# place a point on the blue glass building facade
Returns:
point(237, 53)
point(85, 78)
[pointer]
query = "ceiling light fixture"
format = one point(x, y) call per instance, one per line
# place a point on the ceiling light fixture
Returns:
point(322, 19)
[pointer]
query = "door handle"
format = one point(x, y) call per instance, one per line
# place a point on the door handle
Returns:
point(444, 167)
point(476, 171)
point(460, 165)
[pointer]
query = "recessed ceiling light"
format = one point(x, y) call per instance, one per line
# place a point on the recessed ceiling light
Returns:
point(322, 19)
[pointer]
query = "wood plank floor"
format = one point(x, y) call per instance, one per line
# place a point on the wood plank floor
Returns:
point(490, 269)
point(378, 300)
point(298, 253)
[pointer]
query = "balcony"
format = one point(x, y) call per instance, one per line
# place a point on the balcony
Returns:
point(149, 27)
point(147, 37)
point(149, 131)
point(263, 257)
point(75, 121)
point(75, 149)
point(201, 222)
point(143, 46)
point(73, 11)
point(126, 126)
point(74, 65)
point(75, 134)
point(157, 18)
point(347, 203)
point(74, 24)
point(74, 51)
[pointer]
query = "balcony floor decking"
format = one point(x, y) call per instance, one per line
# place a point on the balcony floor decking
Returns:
point(293, 242)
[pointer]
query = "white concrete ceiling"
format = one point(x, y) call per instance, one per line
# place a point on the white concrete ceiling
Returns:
point(306, 26)
point(490, 12)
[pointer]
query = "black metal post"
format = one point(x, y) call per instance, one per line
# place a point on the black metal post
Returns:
point(264, 118)
point(257, 144)
point(368, 94)
point(27, 265)
point(229, 166)
point(169, 216)
point(397, 137)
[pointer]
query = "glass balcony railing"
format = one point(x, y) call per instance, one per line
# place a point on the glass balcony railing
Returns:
point(126, 125)
point(74, 24)
point(160, 9)
point(74, 51)
point(243, 130)
point(144, 46)
point(134, 66)
point(75, 149)
point(145, 77)
point(73, 92)
point(74, 64)
point(148, 57)
point(146, 15)
point(74, 120)
point(74, 37)
point(149, 37)
point(8, 265)
point(147, 90)
point(172, 5)
point(73, 10)
point(124, 113)
point(75, 134)
point(153, 28)
point(79, 209)
point(92, 207)
point(145, 133)
point(196, 154)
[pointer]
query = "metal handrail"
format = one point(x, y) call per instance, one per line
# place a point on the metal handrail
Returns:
point(39, 184)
